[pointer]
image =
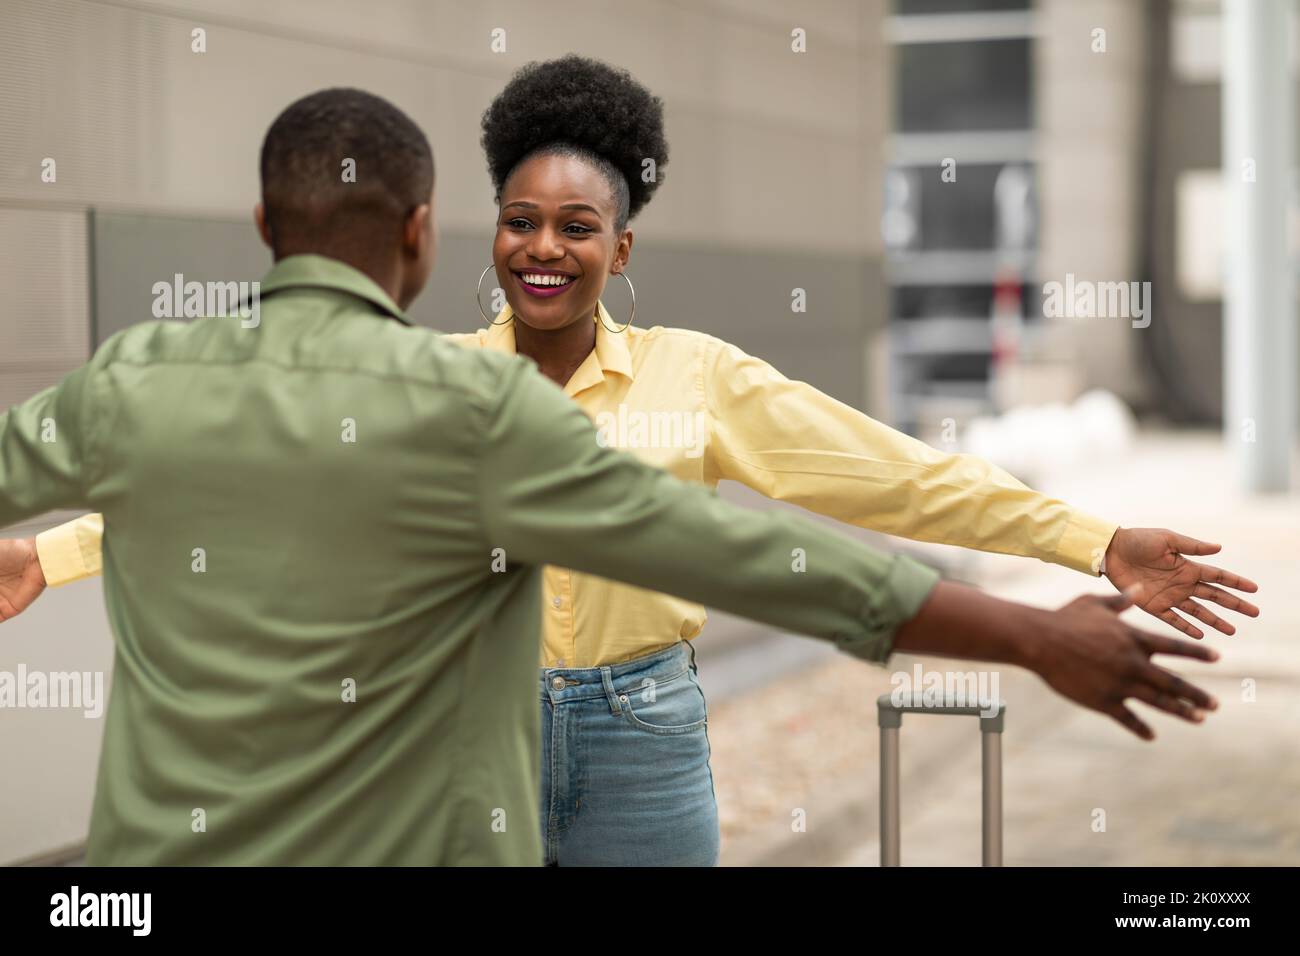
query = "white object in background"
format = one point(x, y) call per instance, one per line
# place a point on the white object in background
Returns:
point(1106, 424)
point(1041, 439)
point(1013, 205)
point(1198, 232)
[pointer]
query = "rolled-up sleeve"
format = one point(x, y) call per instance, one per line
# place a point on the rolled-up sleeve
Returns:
point(793, 443)
point(551, 494)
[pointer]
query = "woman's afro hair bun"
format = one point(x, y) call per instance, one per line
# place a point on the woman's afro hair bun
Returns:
point(579, 104)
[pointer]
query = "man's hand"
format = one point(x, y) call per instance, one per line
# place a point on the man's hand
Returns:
point(1094, 659)
point(21, 579)
point(1152, 560)
point(1083, 651)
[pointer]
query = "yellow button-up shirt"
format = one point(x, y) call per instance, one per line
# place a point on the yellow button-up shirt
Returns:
point(704, 410)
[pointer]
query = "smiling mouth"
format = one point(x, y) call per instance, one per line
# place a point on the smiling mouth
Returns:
point(544, 283)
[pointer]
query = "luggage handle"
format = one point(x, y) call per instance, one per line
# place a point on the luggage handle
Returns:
point(890, 717)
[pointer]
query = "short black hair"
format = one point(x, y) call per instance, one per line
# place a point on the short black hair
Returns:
point(580, 107)
point(308, 203)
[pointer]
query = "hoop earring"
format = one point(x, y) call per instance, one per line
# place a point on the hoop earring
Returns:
point(630, 317)
point(478, 299)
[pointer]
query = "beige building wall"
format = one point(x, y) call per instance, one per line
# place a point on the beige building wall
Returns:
point(767, 145)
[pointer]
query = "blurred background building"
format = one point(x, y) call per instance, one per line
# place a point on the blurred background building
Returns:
point(921, 173)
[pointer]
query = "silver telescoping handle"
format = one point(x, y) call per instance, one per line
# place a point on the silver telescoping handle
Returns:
point(890, 717)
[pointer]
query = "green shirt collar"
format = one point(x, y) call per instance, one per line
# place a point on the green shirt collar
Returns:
point(313, 271)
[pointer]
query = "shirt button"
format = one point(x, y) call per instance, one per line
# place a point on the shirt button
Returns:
point(557, 683)
point(556, 602)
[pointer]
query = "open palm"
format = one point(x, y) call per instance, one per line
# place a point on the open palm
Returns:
point(1155, 561)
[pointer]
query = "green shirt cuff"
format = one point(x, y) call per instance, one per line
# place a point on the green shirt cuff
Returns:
point(891, 605)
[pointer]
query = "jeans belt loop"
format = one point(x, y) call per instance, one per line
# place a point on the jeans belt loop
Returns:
point(607, 679)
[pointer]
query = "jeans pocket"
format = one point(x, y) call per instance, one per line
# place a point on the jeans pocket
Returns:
point(674, 706)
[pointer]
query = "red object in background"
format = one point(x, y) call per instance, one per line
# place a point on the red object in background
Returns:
point(1007, 316)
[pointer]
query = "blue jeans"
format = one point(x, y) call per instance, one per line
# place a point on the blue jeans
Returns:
point(625, 765)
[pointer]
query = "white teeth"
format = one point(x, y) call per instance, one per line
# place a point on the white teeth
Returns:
point(532, 279)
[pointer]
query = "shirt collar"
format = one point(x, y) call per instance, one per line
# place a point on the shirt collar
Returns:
point(320, 272)
point(610, 354)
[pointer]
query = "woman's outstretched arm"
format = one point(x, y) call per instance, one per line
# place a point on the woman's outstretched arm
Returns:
point(791, 442)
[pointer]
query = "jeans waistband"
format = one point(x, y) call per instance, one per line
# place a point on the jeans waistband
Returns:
point(560, 684)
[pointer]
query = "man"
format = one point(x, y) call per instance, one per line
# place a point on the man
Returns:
point(324, 536)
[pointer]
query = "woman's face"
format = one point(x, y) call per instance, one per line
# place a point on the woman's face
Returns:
point(556, 243)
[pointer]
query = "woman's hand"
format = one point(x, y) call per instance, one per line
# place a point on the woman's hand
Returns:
point(1153, 561)
point(21, 579)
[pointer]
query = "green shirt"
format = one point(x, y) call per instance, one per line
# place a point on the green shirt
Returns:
point(318, 657)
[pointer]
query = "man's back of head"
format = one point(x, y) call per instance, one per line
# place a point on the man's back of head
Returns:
point(346, 174)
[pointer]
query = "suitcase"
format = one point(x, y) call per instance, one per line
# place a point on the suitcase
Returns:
point(890, 717)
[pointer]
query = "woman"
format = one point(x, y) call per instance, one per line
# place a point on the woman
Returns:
point(576, 149)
